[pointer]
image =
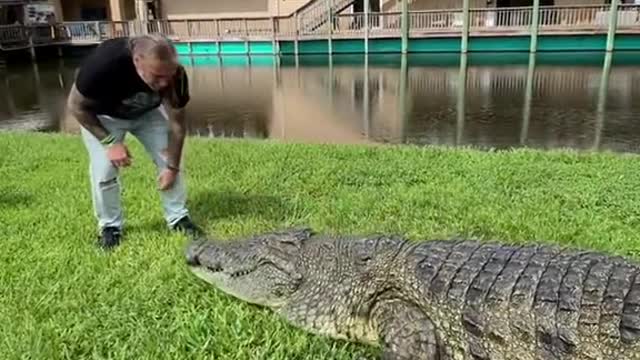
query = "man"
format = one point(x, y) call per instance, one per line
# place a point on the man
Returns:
point(119, 89)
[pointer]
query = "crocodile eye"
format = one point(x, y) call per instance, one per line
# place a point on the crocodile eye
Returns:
point(364, 259)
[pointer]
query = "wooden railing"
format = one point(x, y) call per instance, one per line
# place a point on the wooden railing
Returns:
point(552, 19)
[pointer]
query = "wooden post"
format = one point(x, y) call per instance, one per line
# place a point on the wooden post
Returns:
point(535, 20)
point(526, 112)
point(405, 26)
point(221, 73)
point(465, 27)
point(462, 95)
point(32, 47)
point(247, 47)
point(365, 105)
point(602, 97)
point(331, 83)
point(297, 72)
point(613, 24)
point(403, 108)
point(218, 38)
point(38, 83)
point(295, 40)
point(61, 81)
point(366, 26)
point(330, 24)
point(276, 73)
point(274, 42)
point(188, 26)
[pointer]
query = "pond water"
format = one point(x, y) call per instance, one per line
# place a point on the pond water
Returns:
point(508, 101)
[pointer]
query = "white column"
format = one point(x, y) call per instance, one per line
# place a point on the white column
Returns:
point(116, 10)
point(141, 10)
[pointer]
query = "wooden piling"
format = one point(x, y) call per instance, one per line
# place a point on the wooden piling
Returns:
point(613, 24)
point(405, 26)
point(464, 44)
point(535, 23)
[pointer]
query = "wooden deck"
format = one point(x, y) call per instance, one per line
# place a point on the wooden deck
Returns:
point(553, 20)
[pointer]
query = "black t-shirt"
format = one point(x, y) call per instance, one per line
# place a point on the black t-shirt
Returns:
point(109, 77)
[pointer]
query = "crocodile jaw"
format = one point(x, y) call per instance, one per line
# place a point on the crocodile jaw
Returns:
point(261, 270)
point(229, 285)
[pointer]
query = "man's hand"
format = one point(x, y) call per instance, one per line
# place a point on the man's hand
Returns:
point(119, 155)
point(167, 178)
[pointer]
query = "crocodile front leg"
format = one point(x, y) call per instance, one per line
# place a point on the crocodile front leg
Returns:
point(405, 332)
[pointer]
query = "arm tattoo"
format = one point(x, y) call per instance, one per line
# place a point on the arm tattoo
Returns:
point(175, 99)
point(78, 105)
point(177, 131)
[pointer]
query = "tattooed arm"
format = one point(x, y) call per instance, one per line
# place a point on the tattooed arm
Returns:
point(175, 101)
point(78, 105)
point(177, 133)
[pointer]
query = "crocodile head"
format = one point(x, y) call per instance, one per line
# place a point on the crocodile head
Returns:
point(260, 270)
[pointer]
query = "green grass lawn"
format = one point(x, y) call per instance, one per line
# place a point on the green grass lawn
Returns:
point(60, 297)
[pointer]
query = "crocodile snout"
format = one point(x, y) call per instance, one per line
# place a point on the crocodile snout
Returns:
point(192, 252)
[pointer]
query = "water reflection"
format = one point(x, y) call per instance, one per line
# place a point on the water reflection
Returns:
point(509, 100)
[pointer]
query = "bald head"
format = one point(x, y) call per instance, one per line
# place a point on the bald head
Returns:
point(155, 59)
point(153, 45)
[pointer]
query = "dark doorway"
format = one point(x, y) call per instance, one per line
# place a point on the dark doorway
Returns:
point(516, 18)
point(93, 14)
point(11, 14)
point(374, 7)
point(358, 6)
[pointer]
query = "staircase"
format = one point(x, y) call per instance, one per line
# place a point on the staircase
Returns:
point(316, 15)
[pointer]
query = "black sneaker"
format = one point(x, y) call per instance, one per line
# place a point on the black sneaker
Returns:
point(110, 237)
point(188, 227)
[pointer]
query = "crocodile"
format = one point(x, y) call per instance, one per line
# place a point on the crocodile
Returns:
point(435, 299)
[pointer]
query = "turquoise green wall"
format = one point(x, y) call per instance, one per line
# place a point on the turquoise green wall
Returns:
point(552, 43)
point(432, 45)
point(225, 48)
point(507, 43)
point(627, 42)
point(228, 61)
point(572, 43)
point(451, 59)
point(385, 45)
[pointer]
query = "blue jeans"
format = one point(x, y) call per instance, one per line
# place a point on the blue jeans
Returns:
point(152, 130)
